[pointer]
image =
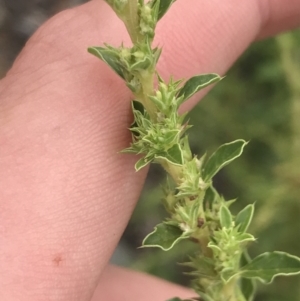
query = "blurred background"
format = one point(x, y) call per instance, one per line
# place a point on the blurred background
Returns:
point(259, 101)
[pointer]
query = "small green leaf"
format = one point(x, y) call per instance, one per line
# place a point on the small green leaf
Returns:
point(211, 196)
point(141, 163)
point(202, 265)
point(225, 217)
point(164, 236)
point(140, 117)
point(163, 7)
point(248, 287)
point(110, 57)
point(223, 156)
point(227, 274)
point(214, 247)
point(244, 218)
point(245, 237)
point(140, 64)
point(138, 106)
point(245, 258)
point(129, 150)
point(267, 266)
point(173, 155)
point(197, 83)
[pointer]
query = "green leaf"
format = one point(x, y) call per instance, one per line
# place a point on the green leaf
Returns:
point(164, 236)
point(140, 64)
point(225, 217)
point(173, 155)
point(245, 258)
point(211, 196)
point(203, 266)
point(141, 163)
point(245, 237)
point(197, 83)
point(227, 274)
point(244, 218)
point(267, 266)
point(248, 286)
point(223, 156)
point(138, 106)
point(129, 150)
point(110, 57)
point(163, 7)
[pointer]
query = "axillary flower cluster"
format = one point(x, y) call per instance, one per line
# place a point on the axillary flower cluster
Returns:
point(222, 269)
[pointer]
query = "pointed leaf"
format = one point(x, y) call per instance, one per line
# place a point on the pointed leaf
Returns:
point(248, 287)
point(245, 237)
point(204, 266)
point(173, 155)
point(225, 217)
point(129, 150)
point(223, 156)
point(245, 258)
point(267, 266)
point(140, 116)
point(141, 163)
point(140, 64)
point(197, 83)
point(164, 236)
point(244, 218)
point(227, 274)
point(109, 57)
point(163, 7)
point(138, 106)
point(211, 195)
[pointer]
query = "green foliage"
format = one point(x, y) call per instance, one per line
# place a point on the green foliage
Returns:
point(248, 288)
point(267, 266)
point(222, 269)
point(164, 237)
point(197, 83)
point(244, 218)
point(225, 217)
point(223, 156)
point(163, 6)
point(248, 285)
point(110, 57)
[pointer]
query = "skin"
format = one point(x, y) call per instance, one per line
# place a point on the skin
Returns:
point(66, 193)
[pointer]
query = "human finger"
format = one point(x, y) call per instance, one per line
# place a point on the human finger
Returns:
point(118, 283)
point(66, 194)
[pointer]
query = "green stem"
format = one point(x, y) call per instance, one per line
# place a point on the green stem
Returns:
point(232, 292)
point(173, 170)
point(131, 20)
point(147, 82)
